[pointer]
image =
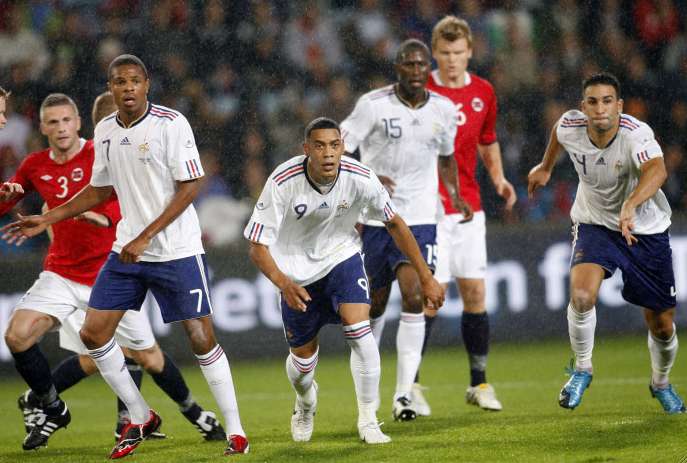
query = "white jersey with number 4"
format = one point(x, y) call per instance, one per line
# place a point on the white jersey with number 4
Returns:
point(143, 162)
point(309, 232)
point(403, 143)
point(608, 175)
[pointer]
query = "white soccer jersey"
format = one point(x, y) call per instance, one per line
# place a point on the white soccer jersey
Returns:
point(608, 175)
point(143, 162)
point(403, 143)
point(308, 232)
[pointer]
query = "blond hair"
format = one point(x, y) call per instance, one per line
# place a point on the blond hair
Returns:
point(451, 28)
point(57, 99)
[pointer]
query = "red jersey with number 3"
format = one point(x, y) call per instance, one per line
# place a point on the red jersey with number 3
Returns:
point(476, 107)
point(79, 248)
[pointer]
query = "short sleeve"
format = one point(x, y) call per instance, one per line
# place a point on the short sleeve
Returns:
point(644, 146)
point(448, 137)
point(268, 213)
point(568, 126)
point(358, 125)
point(182, 153)
point(487, 135)
point(100, 175)
point(378, 205)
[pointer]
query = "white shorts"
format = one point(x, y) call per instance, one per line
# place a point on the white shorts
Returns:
point(67, 301)
point(461, 248)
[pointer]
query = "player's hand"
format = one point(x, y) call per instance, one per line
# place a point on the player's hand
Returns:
point(463, 207)
point(505, 190)
point(627, 223)
point(23, 229)
point(433, 293)
point(538, 177)
point(296, 296)
point(131, 253)
point(94, 218)
point(9, 191)
point(389, 184)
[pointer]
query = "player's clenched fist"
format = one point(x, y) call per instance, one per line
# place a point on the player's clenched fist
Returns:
point(9, 191)
point(433, 292)
point(296, 296)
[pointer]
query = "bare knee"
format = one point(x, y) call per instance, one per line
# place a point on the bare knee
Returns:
point(473, 298)
point(413, 302)
point(582, 299)
point(87, 365)
point(379, 299)
point(201, 335)
point(660, 323)
point(17, 340)
point(26, 328)
point(91, 338)
point(151, 360)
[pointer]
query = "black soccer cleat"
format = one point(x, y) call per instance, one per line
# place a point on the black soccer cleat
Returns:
point(44, 425)
point(206, 423)
point(30, 408)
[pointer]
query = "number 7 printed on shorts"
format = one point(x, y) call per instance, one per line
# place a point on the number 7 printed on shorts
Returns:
point(200, 297)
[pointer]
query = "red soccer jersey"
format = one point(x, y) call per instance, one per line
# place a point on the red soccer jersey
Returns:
point(79, 248)
point(476, 106)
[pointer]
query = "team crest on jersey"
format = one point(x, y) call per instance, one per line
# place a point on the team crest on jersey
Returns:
point(342, 208)
point(77, 174)
point(144, 147)
point(618, 165)
point(477, 104)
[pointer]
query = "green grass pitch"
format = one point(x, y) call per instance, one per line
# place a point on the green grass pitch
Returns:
point(618, 421)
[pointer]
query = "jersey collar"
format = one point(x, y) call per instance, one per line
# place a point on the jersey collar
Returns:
point(405, 103)
point(313, 184)
point(137, 121)
point(82, 142)
point(437, 78)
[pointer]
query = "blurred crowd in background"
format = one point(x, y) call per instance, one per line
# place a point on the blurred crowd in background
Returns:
point(250, 74)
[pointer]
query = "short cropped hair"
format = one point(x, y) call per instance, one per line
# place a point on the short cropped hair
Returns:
point(123, 60)
point(102, 106)
point(57, 99)
point(411, 45)
point(602, 78)
point(321, 123)
point(451, 28)
point(4, 93)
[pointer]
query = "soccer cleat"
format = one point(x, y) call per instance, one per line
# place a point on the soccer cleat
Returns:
point(44, 425)
point(403, 409)
point(122, 422)
point(670, 400)
point(30, 409)
point(303, 419)
point(484, 396)
point(134, 434)
point(236, 444)
point(371, 433)
point(571, 394)
point(422, 408)
point(208, 426)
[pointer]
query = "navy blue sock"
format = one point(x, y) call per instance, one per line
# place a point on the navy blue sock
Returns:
point(136, 373)
point(171, 381)
point(68, 373)
point(33, 367)
point(429, 321)
point(475, 328)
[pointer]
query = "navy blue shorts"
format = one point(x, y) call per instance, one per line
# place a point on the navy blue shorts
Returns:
point(345, 284)
point(646, 266)
point(180, 287)
point(382, 257)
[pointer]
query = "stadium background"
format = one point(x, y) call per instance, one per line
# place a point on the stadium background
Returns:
point(250, 74)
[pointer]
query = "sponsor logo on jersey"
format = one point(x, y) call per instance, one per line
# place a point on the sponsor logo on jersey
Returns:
point(600, 162)
point(324, 205)
point(77, 174)
point(46, 177)
point(125, 141)
point(477, 104)
point(189, 144)
point(261, 206)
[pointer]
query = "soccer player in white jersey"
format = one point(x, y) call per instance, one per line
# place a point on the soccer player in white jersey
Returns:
point(405, 133)
point(621, 219)
point(303, 238)
point(147, 154)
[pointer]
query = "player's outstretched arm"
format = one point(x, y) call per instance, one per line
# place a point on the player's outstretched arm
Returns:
point(448, 172)
point(540, 174)
point(404, 239)
point(491, 156)
point(29, 226)
point(651, 177)
point(295, 295)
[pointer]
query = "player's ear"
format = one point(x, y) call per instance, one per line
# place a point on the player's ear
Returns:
point(306, 148)
point(78, 123)
point(620, 105)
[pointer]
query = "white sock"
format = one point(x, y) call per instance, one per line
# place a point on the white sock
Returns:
point(377, 325)
point(301, 373)
point(409, 339)
point(662, 354)
point(110, 362)
point(365, 368)
point(215, 368)
point(581, 328)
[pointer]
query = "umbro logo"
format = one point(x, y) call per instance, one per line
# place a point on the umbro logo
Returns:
point(46, 177)
point(600, 162)
point(125, 141)
point(324, 205)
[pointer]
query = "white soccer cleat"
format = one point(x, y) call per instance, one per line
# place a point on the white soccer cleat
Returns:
point(422, 407)
point(484, 396)
point(303, 419)
point(371, 433)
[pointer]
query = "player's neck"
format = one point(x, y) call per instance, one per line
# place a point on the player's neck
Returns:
point(317, 178)
point(601, 139)
point(453, 82)
point(64, 156)
point(129, 118)
point(413, 99)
